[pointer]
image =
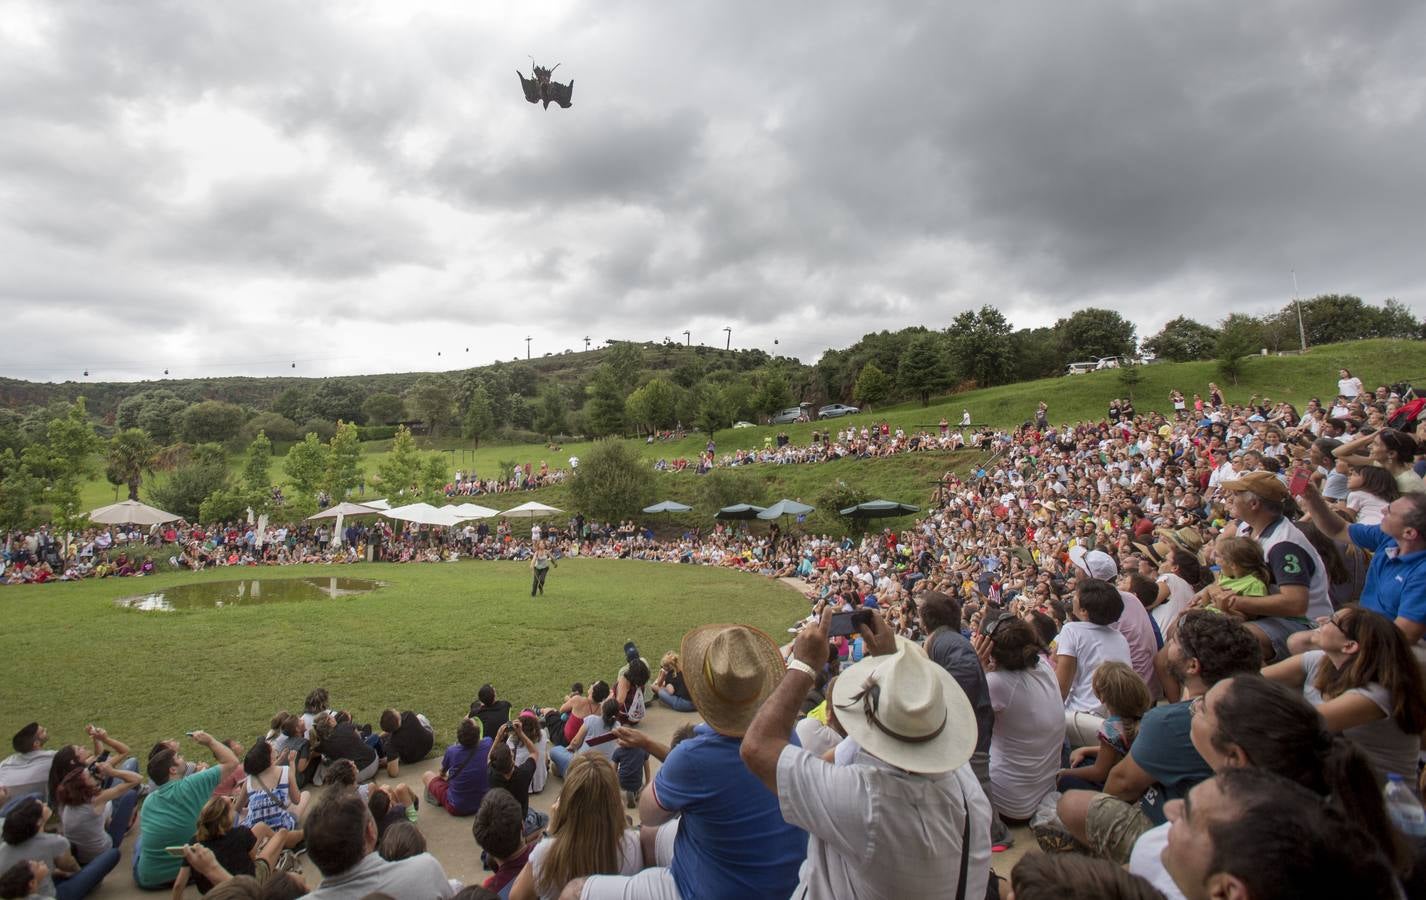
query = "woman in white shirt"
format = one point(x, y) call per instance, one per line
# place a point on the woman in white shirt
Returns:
point(587, 824)
point(1348, 385)
point(1370, 490)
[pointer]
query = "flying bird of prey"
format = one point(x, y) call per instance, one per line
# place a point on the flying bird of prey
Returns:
point(541, 89)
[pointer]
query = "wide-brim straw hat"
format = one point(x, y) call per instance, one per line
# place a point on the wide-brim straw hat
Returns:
point(1186, 538)
point(730, 671)
point(906, 711)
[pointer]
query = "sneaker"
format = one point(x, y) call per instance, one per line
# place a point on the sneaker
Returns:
point(631, 800)
point(1055, 840)
point(289, 862)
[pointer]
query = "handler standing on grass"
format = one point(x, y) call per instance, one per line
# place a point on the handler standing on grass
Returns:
point(540, 562)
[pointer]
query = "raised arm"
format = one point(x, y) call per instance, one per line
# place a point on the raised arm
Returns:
point(221, 753)
point(1349, 450)
point(1327, 521)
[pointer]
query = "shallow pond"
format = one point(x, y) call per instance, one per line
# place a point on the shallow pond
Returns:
point(248, 592)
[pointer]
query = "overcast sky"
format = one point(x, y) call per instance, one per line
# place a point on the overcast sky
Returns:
point(227, 188)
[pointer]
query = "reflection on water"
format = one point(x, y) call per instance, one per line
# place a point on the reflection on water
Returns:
point(247, 592)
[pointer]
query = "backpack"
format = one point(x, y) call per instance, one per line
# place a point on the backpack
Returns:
point(635, 711)
point(1407, 415)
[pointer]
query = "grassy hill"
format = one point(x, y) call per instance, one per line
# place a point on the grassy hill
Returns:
point(1071, 399)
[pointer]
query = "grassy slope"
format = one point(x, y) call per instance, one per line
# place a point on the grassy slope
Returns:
point(1071, 398)
point(427, 641)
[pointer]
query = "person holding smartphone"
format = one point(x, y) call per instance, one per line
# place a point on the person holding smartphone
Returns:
point(168, 813)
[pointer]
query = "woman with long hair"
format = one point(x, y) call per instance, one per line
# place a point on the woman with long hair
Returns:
point(1370, 490)
point(587, 834)
point(269, 793)
point(1364, 680)
point(669, 688)
point(96, 818)
point(237, 848)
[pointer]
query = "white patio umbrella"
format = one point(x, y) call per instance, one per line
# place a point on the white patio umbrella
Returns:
point(346, 509)
point(421, 514)
point(131, 512)
point(377, 504)
point(531, 510)
point(472, 511)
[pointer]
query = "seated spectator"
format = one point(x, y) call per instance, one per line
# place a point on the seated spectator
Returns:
point(22, 881)
point(406, 737)
point(595, 726)
point(464, 777)
point(95, 818)
point(1029, 728)
point(26, 770)
point(491, 713)
point(1253, 834)
point(234, 847)
point(402, 840)
point(341, 842)
point(24, 840)
point(390, 804)
point(1366, 684)
point(1134, 621)
point(269, 793)
point(709, 827)
point(631, 653)
point(577, 707)
point(341, 740)
point(169, 812)
point(1125, 699)
point(587, 834)
point(531, 742)
point(1082, 645)
point(1162, 764)
point(289, 742)
point(906, 817)
point(630, 691)
point(515, 779)
point(499, 831)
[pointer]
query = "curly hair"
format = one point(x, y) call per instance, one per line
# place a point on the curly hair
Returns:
point(1222, 646)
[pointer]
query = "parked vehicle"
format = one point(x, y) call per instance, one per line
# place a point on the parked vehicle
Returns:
point(788, 416)
point(1080, 368)
point(833, 410)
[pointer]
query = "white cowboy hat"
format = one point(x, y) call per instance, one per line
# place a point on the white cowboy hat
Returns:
point(906, 711)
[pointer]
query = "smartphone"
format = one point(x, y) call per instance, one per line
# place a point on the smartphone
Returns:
point(1298, 484)
point(190, 733)
point(174, 851)
point(604, 738)
point(845, 623)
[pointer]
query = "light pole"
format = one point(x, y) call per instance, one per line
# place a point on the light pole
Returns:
point(730, 337)
point(527, 347)
point(1301, 331)
point(586, 343)
point(687, 338)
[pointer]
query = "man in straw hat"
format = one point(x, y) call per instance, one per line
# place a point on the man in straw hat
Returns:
point(906, 817)
point(709, 828)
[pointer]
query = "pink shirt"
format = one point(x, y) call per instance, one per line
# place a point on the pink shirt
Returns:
point(1138, 630)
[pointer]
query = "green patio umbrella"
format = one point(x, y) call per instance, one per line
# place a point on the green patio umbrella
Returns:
point(879, 509)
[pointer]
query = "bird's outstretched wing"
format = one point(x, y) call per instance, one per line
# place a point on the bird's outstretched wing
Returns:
point(530, 86)
point(563, 94)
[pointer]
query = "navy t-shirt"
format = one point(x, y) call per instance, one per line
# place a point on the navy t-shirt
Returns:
point(732, 840)
point(1165, 752)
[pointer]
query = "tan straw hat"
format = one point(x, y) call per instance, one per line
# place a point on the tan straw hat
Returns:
point(730, 671)
point(906, 711)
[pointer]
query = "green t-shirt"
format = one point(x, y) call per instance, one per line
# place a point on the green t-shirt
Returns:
point(168, 818)
point(1247, 585)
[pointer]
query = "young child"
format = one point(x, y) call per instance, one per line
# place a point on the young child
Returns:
point(1126, 698)
point(1241, 568)
point(634, 771)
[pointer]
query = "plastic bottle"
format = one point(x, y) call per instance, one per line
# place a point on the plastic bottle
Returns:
point(1404, 808)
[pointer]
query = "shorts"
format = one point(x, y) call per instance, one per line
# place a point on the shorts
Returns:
point(1278, 629)
point(438, 790)
point(1113, 826)
point(262, 871)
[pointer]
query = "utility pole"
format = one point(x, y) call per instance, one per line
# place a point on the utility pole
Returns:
point(1301, 331)
point(527, 347)
point(687, 339)
point(586, 343)
point(730, 337)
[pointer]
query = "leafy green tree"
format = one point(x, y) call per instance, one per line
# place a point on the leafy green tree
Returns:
point(725, 487)
point(1035, 354)
point(257, 464)
point(688, 373)
point(231, 503)
point(873, 386)
point(715, 408)
point(324, 429)
point(604, 412)
point(1091, 333)
point(183, 492)
point(613, 481)
point(923, 369)
point(306, 465)
point(478, 421)
point(552, 410)
point(524, 380)
point(653, 406)
point(382, 408)
point(980, 346)
point(522, 414)
point(72, 445)
point(334, 399)
point(211, 421)
point(131, 456)
point(435, 472)
point(433, 399)
point(774, 393)
point(1129, 378)
point(1239, 336)
point(626, 361)
point(19, 491)
point(276, 427)
point(291, 403)
point(344, 471)
point(1182, 340)
point(401, 468)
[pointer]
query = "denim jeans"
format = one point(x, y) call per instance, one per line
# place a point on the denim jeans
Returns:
point(674, 702)
point(561, 757)
point(83, 882)
point(123, 810)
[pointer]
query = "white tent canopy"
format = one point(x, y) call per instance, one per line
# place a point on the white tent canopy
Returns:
point(531, 510)
point(131, 512)
point(345, 509)
point(472, 511)
point(421, 514)
point(376, 504)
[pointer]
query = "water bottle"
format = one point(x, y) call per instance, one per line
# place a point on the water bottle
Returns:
point(1404, 808)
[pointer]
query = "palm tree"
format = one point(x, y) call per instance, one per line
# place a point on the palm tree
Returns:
point(132, 455)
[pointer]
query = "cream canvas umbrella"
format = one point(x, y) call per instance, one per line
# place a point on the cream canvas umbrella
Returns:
point(131, 512)
point(421, 514)
point(531, 510)
point(472, 511)
point(346, 509)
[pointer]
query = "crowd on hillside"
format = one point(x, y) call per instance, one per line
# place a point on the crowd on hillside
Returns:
point(1189, 644)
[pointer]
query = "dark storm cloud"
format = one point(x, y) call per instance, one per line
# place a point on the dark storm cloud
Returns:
point(794, 171)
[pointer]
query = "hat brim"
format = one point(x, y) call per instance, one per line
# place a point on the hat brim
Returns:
point(949, 750)
point(723, 717)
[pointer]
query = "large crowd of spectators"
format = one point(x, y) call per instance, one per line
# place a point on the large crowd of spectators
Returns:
point(1189, 644)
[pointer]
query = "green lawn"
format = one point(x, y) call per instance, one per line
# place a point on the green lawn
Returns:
point(426, 641)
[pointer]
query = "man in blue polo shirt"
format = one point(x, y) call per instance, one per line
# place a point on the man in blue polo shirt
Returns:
point(1396, 580)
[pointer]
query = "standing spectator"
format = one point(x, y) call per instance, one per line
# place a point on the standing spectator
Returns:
point(1348, 385)
point(906, 817)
